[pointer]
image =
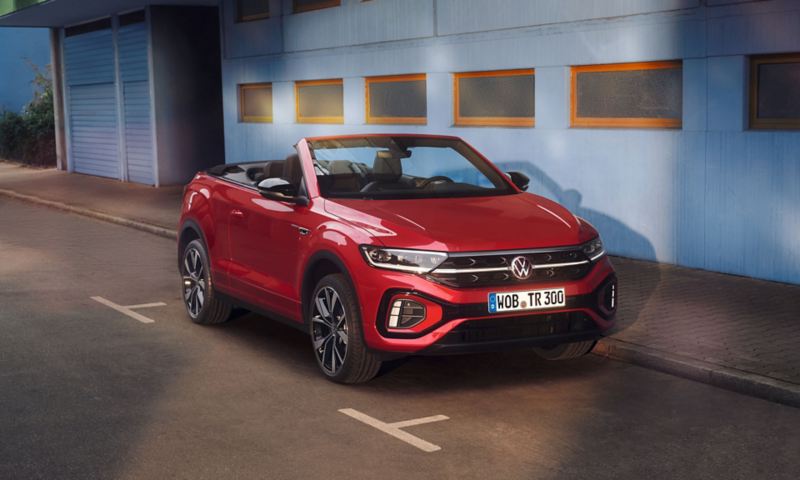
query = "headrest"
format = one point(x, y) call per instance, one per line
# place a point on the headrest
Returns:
point(292, 170)
point(387, 164)
point(340, 167)
point(273, 170)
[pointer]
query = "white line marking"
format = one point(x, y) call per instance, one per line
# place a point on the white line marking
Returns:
point(419, 421)
point(146, 305)
point(124, 310)
point(393, 429)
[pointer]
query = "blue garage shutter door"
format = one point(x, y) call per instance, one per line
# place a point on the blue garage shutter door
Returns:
point(93, 115)
point(94, 138)
point(138, 132)
point(138, 128)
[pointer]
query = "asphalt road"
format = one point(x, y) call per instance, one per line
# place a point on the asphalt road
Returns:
point(88, 392)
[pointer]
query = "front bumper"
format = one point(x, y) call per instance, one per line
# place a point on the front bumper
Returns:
point(465, 325)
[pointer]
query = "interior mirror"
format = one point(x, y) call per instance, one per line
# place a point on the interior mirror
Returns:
point(280, 190)
point(519, 179)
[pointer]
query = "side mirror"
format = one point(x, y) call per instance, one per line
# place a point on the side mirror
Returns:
point(280, 190)
point(519, 179)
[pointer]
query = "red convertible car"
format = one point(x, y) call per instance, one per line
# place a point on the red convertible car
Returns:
point(381, 246)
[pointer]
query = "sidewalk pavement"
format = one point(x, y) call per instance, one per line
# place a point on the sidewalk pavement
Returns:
point(148, 205)
point(732, 332)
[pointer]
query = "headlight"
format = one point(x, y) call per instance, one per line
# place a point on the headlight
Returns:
point(414, 261)
point(594, 249)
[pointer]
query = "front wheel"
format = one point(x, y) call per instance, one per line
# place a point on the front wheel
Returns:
point(199, 297)
point(336, 333)
point(566, 351)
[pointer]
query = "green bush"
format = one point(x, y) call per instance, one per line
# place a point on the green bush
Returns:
point(29, 137)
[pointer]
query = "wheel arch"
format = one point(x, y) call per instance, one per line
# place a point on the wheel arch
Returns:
point(190, 230)
point(320, 264)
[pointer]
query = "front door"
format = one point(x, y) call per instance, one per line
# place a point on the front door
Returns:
point(265, 241)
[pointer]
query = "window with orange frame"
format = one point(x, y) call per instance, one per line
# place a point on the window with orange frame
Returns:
point(628, 95)
point(503, 98)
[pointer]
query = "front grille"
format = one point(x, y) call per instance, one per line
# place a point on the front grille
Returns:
point(494, 269)
point(519, 328)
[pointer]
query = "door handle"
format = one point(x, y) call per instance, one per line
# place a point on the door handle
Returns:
point(237, 213)
point(302, 230)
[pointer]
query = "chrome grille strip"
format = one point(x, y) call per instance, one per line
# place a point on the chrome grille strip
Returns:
point(471, 270)
point(543, 266)
point(559, 265)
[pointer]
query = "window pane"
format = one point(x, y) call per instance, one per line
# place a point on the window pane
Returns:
point(306, 5)
point(498, 97)
point(252, 9)
point(315, 102)
point(402, 98)
point(653, 93)
point(256, 102)
point(779, 90)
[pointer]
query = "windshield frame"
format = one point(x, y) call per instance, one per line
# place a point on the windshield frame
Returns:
point(404, 141)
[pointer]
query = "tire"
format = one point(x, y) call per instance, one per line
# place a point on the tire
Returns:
point(566, 351)
point(202, 304)
point(337, 340)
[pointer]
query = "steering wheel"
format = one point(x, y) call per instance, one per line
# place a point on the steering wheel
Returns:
point(437, 178)
point(371, 186)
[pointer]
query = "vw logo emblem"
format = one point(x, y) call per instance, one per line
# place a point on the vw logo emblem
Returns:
point(521, 268)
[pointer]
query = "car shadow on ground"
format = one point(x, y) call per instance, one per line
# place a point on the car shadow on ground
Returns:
point(278, 342)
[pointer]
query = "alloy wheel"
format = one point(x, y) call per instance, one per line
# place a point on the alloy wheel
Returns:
point(194, 282)
point(329, 327)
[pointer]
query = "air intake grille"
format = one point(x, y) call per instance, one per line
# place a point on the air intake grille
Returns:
point(517, 328)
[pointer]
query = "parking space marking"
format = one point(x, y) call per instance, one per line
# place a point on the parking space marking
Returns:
point(419, 421)
point(146, 305)
point(128, 309)
point(394, 429)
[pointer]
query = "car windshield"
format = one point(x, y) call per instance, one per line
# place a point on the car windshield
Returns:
point(403, 167)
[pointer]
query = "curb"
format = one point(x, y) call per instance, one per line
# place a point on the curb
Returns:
point(145, 227)
point(728, 378)
point(723, 377)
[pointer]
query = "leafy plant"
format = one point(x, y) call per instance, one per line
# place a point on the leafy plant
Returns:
point(29, 137)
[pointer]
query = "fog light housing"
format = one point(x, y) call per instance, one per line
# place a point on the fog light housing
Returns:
point(608, 297)
point(406, 313)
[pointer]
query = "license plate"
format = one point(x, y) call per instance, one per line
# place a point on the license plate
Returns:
point(528, 300)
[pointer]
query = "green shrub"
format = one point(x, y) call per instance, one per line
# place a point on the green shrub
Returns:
point(29, 137)
point(12, 131)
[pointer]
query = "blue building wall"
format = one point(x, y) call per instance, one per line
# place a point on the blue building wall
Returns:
point(711, 195)
point(16, 46)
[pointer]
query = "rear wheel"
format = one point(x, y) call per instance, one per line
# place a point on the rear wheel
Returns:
point(566, 351)
point(336, 334)
point(199, 297)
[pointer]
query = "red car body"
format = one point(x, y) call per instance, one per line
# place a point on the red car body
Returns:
point(265, 254)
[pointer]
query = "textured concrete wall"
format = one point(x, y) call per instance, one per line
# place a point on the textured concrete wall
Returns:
point(711, 195)
point(186, 73)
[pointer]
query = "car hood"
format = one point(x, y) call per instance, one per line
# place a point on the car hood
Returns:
point(469, 224)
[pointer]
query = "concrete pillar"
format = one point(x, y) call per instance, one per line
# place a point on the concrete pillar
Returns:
point(440, 101)
point(283, 103)
point(354, 101)
point(58, 98)
point(695, 94)
point(727, 93)
point(552, 97)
